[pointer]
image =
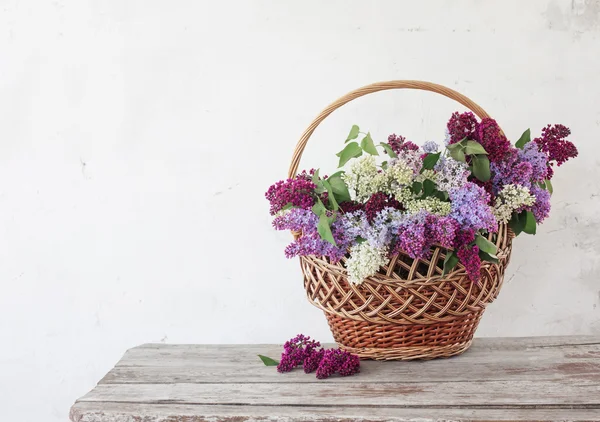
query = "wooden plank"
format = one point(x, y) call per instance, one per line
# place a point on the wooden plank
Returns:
point(543, 364)
point(546, 378)
point(447, 394)
point(133, 412)
point(174, 355)
point(219, 363)
point(479, 343)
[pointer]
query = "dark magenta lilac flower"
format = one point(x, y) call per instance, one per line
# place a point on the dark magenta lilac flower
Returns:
point(490, 136)
point(338, 361)
point(553, 142)
point(460, 126)
point(300, 192)
point(399, 144)
point(302, 351)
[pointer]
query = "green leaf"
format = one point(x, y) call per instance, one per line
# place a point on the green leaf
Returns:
point(389, 150)
point(549, 187)
point(331, 197)
point(353, 133)
point(268, 361)
point(524, 139)
point(315, 177)
point(339, 187)
point(441, 195)
point(287, 206)
point(458, 154)
point(516, 224)
point(473, 148)
point(319, 209)
point(430, 160)
point(529, 226)
point(416, 187)
point(484, 256)
point(450, 262)
point(324, 229)
point(481, 167)
point(368, 146)
point(352, 150)
point(485, 245)
point(428, 187)
point(384, 165)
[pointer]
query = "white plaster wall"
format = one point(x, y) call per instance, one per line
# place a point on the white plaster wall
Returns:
point(137, 139)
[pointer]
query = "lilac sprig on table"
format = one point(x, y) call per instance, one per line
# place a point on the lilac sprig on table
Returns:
point(301, 351)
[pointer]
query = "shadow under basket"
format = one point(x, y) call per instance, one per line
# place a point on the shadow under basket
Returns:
point(408, 310)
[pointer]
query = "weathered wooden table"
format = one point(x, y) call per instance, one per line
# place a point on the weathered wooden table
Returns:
point(536, 379)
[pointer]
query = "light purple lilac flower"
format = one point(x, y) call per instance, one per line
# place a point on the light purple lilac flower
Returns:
point(470, 208)
point(430, 147)
point(422, 230)
point(541, 207)
point(537, 159)
point(451, 173)
point(310, 242)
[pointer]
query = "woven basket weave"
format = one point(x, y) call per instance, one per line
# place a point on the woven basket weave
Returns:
point(407, 310)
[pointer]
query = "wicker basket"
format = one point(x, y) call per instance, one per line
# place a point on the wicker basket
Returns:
point(407, 310)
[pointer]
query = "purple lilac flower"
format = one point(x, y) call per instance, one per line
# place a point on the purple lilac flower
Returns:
point(340, 361)
point(430, 147)
point(537, 159)
point(470, 208)
point(295, 351)
point(380, 233)
point(354, 224)
point(421, 231)
point(413, 242)
point(310, 242)
point(469, 257)
point(511, 170)
point(300, 192)
point(541, 208)
point(296, 219)
point(441, 230)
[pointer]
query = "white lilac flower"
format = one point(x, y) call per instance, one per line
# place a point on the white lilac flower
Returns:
point(364, 179)
point(511, 198)
point(427, 174)
point(430, 147)
point(365, 261)
point(451, 174)
point(431, 204)
point(399, 174)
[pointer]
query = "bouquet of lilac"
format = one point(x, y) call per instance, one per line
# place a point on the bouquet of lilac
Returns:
point(413, 198)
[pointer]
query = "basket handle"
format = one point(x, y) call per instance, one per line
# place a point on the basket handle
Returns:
point(368, 89)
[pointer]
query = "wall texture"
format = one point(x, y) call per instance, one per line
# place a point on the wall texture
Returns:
point(138, 137)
